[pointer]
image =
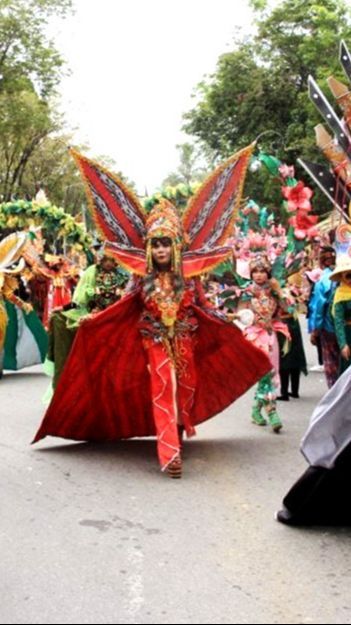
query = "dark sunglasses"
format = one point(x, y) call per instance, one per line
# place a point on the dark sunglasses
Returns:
point(161, 242)
point(347, 276)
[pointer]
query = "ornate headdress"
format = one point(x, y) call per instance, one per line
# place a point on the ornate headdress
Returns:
point(207, 223)
point(260, 262)
point(164, 221)
point(258, 251)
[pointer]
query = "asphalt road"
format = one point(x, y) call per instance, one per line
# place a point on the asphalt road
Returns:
point(94, 533)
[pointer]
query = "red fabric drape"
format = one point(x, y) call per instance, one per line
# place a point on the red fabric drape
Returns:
point(104, 392)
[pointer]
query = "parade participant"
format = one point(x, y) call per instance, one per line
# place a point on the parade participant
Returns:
point(212, 289)
point(312, 276)
point(266, 299)
point(320, 322)
point(321, 495)
point(17, 321)
point(160, 360)
point(26, 341)
point(61, 278)
point(341, 309)
point(60, 275)
point(36, 283)
point(100, 286)
point(293, 362)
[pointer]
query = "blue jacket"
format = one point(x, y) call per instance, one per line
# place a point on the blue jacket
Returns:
point(320, 304)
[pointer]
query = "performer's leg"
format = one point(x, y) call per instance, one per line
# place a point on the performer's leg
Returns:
point(186, 383)
point(284, 384)
point(295, 382)
point(319, 351)
point(273, 417)
point(256, 414)
point(164, 401)
point(331, 356)
point(270, 403)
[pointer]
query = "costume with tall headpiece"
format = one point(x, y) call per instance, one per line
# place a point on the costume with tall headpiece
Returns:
point(23, 340)
point(268, 302)
point(159, 358)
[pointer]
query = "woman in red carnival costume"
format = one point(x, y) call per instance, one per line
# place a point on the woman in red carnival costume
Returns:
point(160, 360)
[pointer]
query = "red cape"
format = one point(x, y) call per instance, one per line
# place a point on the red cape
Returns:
point(104, 390)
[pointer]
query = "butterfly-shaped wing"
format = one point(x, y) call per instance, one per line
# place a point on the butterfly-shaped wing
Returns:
point(116, 211)
point(204, 261)
point(209, 219)
point(132, 259)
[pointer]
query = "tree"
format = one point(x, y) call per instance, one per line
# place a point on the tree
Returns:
point(27, 57)
point(53, 169)
point(189, 169)
point(25, 121)
point(30, 70)
point(262, 84)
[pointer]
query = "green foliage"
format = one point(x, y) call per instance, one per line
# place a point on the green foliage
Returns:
point(258, 5)
point(27, 56)
point(52, 168)
point(262, 83)
point(30, 70)
point(25, 121)
point(57, 225)
point(178, 194)
point(189, 169)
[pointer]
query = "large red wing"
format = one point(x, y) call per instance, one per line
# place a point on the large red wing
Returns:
point(134, 260)
point(210, 216)
point(193, 263)
point(116, 210)
point(200, 262)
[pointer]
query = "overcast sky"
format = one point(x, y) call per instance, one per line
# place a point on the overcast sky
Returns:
point(134, 65)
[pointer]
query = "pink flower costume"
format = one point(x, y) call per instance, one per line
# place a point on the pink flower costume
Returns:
point(265, 301)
